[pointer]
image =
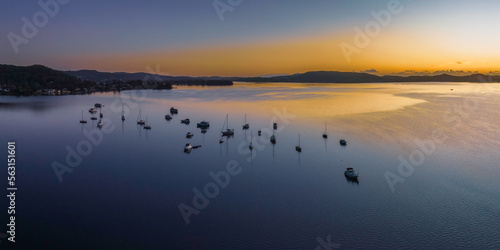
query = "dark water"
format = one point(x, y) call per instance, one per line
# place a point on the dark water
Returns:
point(126, 191)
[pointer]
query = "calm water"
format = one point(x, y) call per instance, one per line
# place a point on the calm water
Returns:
point(126, 192)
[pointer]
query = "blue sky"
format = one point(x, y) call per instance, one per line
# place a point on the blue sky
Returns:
point(135, 27)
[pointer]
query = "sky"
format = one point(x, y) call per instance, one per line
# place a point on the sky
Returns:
point(251, 37)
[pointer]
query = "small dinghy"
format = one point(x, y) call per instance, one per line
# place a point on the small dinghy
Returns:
point(350, 173)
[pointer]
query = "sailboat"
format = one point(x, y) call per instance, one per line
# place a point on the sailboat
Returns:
point(273, 139)
point(251, 139)
point(123, 114)
point(100, 124)
point(146, 126)
point(139, 119)
point(82, 120)
point(100, 112)
point(298, 148)
point(324, 134)
point(246, 125)
point(228, 132)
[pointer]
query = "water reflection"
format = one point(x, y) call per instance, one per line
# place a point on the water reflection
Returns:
point(147, 176)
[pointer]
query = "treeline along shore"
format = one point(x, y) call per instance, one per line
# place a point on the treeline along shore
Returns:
point(41, 80)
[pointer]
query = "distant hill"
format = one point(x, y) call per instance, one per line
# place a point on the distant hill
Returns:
point(353, 77)
point(41, 80)
point(94, 75)
point(308, 77)
point(97, 76)
point(32, 78)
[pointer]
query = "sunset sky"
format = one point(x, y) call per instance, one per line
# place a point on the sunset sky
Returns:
point(258, 37)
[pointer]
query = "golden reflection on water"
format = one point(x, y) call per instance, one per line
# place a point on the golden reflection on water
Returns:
point(306, 101)
point(319, 101)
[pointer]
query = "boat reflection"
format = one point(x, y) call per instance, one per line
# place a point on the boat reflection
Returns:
point(352, 181)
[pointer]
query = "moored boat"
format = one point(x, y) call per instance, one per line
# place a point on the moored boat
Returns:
point(123, 114)
point(82, 120)
point(140, 121)
point(350, 173)
point(251, 144)
point(245, 124)
point(228, 131)
point(203, 124)
point(298, 147)
point(147, 126)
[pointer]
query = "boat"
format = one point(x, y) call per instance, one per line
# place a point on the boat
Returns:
point(97, 105)
point(168, 117)
point(325, 135)
point(273, 139)
point(350, 173)
point(100, 124)
point(140, 121)
point(221, 140)
point(343, 142)
point(203, 124)
point(259, 133)
point(146, 126)
point(298, 148)
point(251, 145)
point(100, 113)
point(123, 114)
point(174, 110)
point(189, 135)
point(245, 124)
point(82, 120)
point(93, 118)
point(275, 125)
point(93, 110)
point(188, 146)
point(228, 131)
point(185, 121)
